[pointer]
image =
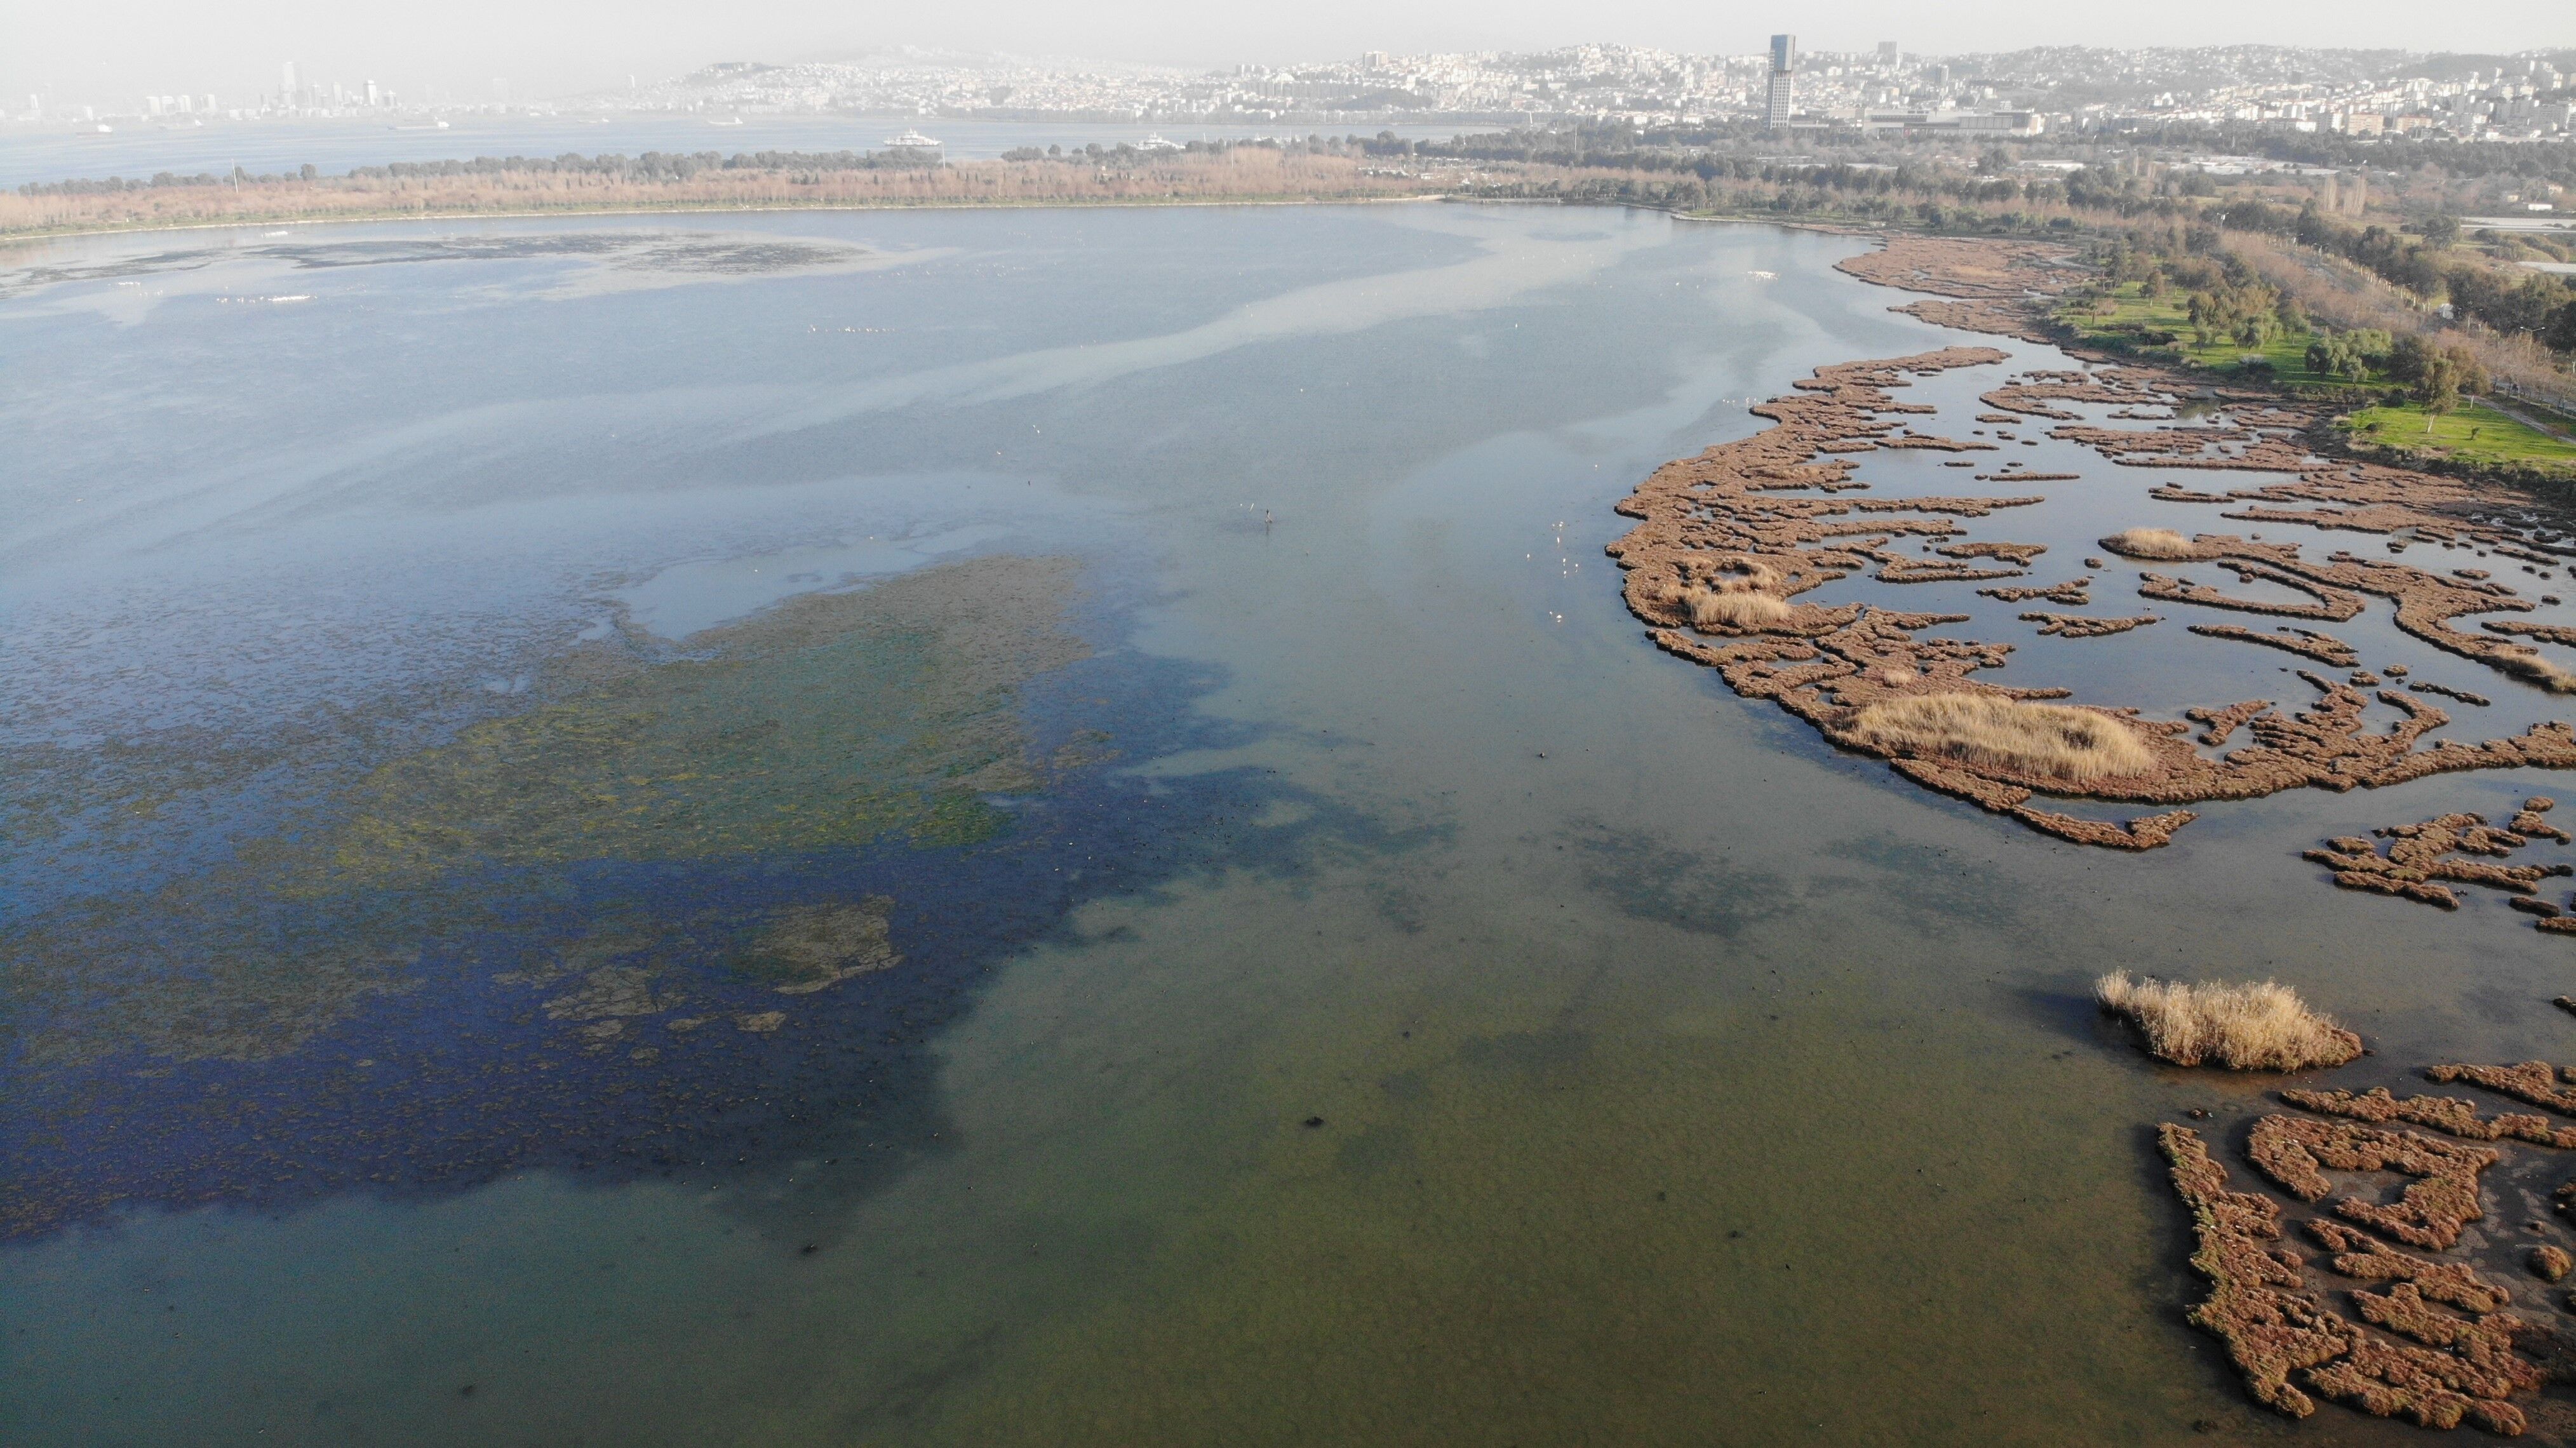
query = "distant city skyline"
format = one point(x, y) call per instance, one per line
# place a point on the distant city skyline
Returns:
point(112, 50)
point(2059, 92)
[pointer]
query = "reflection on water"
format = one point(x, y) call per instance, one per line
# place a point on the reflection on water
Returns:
point(1269, 749)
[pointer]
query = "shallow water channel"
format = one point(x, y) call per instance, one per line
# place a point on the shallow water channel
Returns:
point(1046, 826)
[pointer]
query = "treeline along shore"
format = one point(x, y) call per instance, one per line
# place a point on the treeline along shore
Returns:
point(706, 181)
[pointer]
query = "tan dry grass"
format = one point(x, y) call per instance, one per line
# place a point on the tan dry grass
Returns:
point(2150, 543)
point(2051, 740)
point(1743, 570)
point(1741, 608)
point(2538, 670)
point(2257, 1027)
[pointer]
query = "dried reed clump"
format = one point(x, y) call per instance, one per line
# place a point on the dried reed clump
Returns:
point(1993, 732)
point(1739, 608)
point(2150, 543)
point(2538, 670)
point(1737, 571)
point(2263, 1027)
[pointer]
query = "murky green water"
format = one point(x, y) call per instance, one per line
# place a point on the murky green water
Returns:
point(1237, 730)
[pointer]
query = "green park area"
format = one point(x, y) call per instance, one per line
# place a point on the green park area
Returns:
point(2390, 407)
point(2473, 434)
point(2127, 319)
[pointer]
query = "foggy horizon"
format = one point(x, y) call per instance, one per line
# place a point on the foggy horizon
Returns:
point(108, 51)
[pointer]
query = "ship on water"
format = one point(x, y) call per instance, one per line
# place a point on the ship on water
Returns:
point(913, 141)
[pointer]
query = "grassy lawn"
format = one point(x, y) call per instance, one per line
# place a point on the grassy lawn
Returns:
point(2139, 315)
point(2472, 434)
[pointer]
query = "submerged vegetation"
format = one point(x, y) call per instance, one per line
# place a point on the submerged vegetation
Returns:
point(2253, 1027)
point(690, 889)
point(828, 721)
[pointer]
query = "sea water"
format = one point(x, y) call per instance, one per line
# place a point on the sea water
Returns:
point(1348, 986)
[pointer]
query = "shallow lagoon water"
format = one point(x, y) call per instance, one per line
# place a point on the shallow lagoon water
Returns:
point(1678, 1079)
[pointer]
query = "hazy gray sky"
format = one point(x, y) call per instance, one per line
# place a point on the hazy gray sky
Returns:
point(79, 50)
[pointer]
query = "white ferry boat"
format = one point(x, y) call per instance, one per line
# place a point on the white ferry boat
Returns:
point(1154, 142)
point(913, 141)
point(726, 121)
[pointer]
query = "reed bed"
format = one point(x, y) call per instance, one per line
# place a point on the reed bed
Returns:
point(2254, 1027)
point(1990, 731)
point(2150, 543)
point(1737, 608)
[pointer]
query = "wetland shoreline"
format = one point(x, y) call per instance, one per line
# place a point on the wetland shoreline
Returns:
point(2450, 1337)
point(1243, 175)
point(1728, 540)
point(1726, 1100)
point(722, 208)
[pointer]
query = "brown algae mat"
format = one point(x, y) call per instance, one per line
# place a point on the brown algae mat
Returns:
point(2447, 1350)
point(2438, 1346)
point(2306, 643)
point(1986, 285)
point(2085, 625)
point(2422, 861)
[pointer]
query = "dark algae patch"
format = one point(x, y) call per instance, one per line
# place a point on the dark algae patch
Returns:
point(694, 912)
point(828, 722)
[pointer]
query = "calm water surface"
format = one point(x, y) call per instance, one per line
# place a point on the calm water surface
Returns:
point(1264, 951)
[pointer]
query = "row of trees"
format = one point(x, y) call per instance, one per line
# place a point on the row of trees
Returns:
point(653, 166)
point(2515, 301)
point(648, 167)
point(2382, 153)
point(2512, 300)
point(2229, 301)
point(1616, 142)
